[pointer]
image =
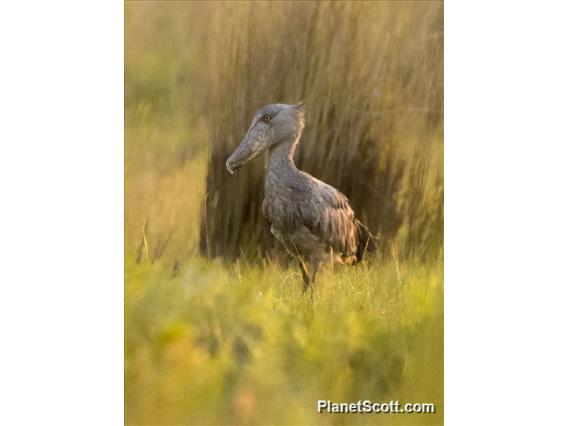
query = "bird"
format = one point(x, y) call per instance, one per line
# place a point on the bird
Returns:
point(312, 219)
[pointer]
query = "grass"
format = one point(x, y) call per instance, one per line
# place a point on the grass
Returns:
point(371, 74)
point(210, 342)
point(239, 344)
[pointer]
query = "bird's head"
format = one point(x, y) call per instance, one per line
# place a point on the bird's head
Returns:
point(270, 125)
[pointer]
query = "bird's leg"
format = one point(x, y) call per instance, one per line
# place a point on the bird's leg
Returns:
point(316, 265)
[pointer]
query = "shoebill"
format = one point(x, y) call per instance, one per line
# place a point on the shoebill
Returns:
point(312, 219)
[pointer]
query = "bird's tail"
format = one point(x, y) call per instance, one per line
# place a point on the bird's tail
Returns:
point(367, 241)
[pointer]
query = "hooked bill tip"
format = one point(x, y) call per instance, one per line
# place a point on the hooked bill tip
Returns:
point(229, 168)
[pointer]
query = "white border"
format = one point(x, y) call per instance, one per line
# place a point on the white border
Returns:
point(506, 212)
point(61, 220)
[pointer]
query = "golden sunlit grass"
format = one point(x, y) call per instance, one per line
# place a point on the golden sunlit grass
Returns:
point(371, 75)
point(214, 343)
point(221, 344)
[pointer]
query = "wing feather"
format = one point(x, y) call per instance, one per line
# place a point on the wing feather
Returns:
point(330, 219)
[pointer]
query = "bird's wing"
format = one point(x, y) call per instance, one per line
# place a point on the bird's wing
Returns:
point(329, 217)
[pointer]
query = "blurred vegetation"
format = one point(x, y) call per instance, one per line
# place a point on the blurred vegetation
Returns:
point(209, 341)
point(242, 345)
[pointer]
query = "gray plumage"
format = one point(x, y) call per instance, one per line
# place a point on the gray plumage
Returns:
point(312, 219)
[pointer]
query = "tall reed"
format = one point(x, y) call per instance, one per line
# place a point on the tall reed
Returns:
point(371, 74)
point(371, 77)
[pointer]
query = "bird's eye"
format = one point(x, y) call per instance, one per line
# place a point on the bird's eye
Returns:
point(267, 118)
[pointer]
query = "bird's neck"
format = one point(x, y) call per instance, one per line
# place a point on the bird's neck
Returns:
point(280, 162)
